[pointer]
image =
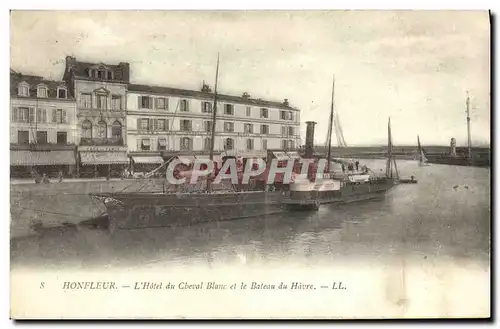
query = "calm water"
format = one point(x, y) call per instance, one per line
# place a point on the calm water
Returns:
point(446, 214)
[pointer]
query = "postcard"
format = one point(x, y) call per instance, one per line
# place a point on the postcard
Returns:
point(250, 164)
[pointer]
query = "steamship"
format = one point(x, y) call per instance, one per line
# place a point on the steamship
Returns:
point(209, 202)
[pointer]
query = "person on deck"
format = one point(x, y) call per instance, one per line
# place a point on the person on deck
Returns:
point(357, 165)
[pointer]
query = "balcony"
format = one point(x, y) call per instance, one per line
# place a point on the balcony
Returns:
point(101, 141)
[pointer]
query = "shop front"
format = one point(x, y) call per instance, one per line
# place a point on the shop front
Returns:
point(141, 162)
point(51, 160)
point(103, 161)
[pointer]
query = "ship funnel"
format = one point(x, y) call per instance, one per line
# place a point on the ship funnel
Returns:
point(310, 139)
point(453, 147)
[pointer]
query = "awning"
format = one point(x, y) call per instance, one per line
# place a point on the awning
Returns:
point(42, 158)
point(146, 142)
point(294, 155)
point(281, 156)
point(162, 142)
point(148, 159)
point(101, 158)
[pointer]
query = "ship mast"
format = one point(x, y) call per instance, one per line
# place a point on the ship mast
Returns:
point(330, 128)
point(214, 117)
point(469, 154)
point(390, 156)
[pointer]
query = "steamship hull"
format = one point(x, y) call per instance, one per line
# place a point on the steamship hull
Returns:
point(149, 210)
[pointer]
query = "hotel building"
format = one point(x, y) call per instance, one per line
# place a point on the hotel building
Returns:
point(163, 120)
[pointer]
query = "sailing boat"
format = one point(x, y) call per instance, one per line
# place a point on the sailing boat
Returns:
point(422, 160)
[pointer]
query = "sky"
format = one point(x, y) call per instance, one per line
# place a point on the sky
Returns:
point(412, 66)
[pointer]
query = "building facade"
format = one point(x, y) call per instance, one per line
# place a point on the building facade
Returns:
point(100, 91)
point(43, 133)
point(163, 119)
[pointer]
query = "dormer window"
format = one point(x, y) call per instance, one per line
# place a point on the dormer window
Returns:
point(41, 91)
point(23, 89)
point(62, 93)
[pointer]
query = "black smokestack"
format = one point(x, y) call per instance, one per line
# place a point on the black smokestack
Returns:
point(310, 139)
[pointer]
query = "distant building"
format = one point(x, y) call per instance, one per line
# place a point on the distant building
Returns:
point(101, 93)
point(43, 126)
point(169, 120)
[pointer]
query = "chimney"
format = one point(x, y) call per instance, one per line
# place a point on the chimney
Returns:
point(310, 139)
point(70, 61)
point(125, 67)
point(453, 147)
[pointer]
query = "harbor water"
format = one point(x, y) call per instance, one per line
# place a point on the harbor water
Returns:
point(447, 214)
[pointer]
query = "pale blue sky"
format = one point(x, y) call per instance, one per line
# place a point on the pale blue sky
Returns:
point(413, 66)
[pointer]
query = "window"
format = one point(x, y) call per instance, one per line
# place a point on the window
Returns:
point(283, 144)
point(101, 101)
point(23, 89)
point(287, 144)
point(143, 124)
point(185, 125)
point(145, 102)
point(25, 114)
point(62, 137)
point(41, 92)
point(62, 93)
point(184, 105)
point(264, 113)
point(229, 109)
point(286, 115)
point(145, 144)
point(116, 102)
point(102, 129)
point(41, 115)
point(206, 107)
point(249, 144)
point(264, 129)
point(291, 144)
point(228, 144)
point(207, 125)
point(86, 101)
point(248, 128)
point(290, 131)
point(58, 116)
point(264, 144)
point(41, 137)
point(101, 74)
point(228, 127)
point(206, 143)
point(162, 125)
point(185, 143)
point(23, 137)
point(162, 144)
point(116, 130)
point(110, 75)
point(161, 103)
point(87, 129)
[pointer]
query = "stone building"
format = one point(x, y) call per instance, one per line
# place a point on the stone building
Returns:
point(100, 91)
point(43, 133)
point(169, 120)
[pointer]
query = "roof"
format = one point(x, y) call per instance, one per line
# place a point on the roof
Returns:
point(207, 95)
point(121, 71)
point(33, 81)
